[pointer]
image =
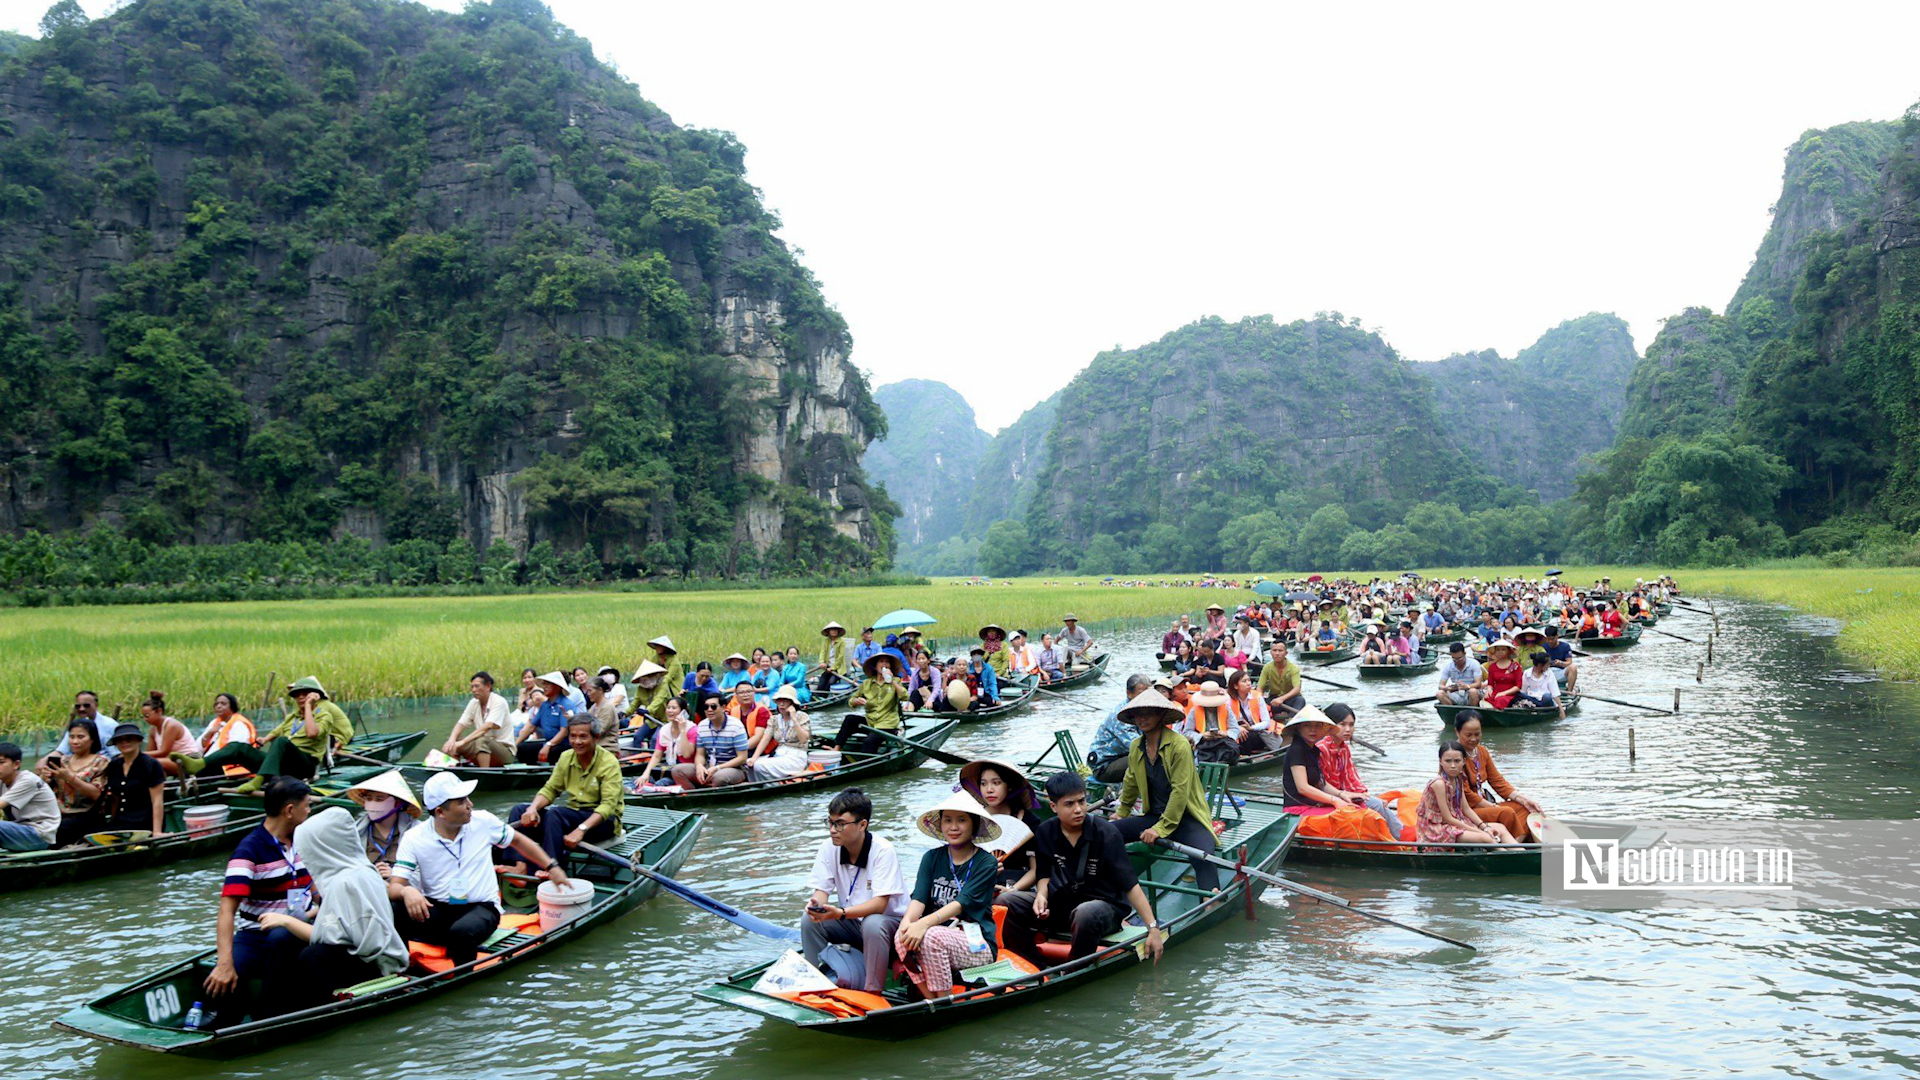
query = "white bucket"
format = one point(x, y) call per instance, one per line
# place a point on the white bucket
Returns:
point(826, 759)
point(205, 820)
point(562, 903)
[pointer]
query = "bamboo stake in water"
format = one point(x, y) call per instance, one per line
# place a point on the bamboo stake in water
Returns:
point(1631, 753)
point(1676, 701)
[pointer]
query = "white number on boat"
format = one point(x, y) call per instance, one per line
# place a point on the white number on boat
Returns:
point(163, 1004)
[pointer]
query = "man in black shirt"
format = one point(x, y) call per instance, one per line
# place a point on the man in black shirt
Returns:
point(1086, 880)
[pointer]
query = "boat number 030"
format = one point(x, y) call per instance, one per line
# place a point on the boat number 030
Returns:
point(163, 1003)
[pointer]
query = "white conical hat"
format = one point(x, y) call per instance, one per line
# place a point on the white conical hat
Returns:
point(647, 668)
point(987, 829)
point(664, 642)
point(391, 783)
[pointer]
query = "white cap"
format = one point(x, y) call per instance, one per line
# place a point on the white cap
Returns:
point(442, 786)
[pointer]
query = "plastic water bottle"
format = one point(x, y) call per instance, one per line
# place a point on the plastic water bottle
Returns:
point(195, 1017)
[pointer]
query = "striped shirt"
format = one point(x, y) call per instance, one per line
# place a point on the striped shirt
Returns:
point(268, 879)
point(722, 746)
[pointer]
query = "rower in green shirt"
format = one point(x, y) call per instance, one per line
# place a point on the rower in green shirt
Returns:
point(833, 656)
point(588, 778)
point(295, 748)
point(668, 657)
point(880, 696)
point(1280, 686)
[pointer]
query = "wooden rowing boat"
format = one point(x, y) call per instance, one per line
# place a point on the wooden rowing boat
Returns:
point(1025, 688)
point(1341, 651)
point(1258, 824)
point(1629, 638)
point(514, 775)
point(117, 852)
point(1418, 858)
point(891, 758)
point(1520, 716)
point(1427, 663)
point(1094, 670)
point(390, 747)
point(147, 1014)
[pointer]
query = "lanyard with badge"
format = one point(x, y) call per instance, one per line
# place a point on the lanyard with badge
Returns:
point(299, 898)
point(459, 871)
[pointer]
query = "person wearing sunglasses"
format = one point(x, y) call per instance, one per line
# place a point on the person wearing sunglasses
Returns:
point(860, 874)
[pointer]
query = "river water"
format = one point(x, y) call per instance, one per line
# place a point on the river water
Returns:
point(1781, 727)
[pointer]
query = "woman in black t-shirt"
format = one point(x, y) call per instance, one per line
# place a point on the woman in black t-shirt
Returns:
point(1300, 768)
point(135, 784)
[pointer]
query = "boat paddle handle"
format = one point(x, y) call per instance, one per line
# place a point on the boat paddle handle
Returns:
point(933, 752)
point(694, 896)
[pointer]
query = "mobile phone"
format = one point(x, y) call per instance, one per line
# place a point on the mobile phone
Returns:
point(816, 907)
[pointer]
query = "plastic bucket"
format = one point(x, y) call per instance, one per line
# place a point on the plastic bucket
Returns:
point(205, 820)
point(560, 904)
point(826, 759)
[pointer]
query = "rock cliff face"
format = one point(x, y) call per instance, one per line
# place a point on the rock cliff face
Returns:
point(928, 459)
point(1831, 181)
point(1217, 416)
point(1010, 468)
point(1689, 379)
point(266, 264)
point(1544, 410)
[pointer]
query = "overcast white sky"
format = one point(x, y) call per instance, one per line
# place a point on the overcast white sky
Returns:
point(991, 193)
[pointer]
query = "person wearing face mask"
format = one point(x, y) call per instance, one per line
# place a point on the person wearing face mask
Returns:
point(390, 810)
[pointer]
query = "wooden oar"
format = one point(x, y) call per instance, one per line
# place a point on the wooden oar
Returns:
point(1632, 705)
point(932, 752)
point(1068, 700)
point(1663, 633)
point(1327, 682)
point(1410, 701)
point(363, 759)
point(1303, 890)
point(694, 896)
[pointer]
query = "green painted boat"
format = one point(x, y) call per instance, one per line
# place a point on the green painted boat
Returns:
point(1484, 859)
point(1263, 828)
point(1065, 754)
point(514, 775)
point(1090, 673)
point(1627, 640)
point(389, 747)
point(119, 852)
point(1027, 687)
point(1663, 610)
point(1343, 651)
point(1510, 717)
point(892, 758)
point(1428, 662)
point(147, 1014)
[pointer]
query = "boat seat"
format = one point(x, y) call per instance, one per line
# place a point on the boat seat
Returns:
point(429, 958)
point(1213, 776)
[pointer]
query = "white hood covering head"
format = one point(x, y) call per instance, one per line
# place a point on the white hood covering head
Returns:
point(354, 909)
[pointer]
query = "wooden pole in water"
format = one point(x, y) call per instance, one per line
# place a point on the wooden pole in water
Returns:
point(1710, 638)
point(1700, 671)
point(1631, 752)
point(1676, 699)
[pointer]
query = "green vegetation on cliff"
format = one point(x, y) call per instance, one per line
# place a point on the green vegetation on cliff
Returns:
point(276, 268)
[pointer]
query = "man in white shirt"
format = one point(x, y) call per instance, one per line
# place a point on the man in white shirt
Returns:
point(1077, 642)
point(443, 888)
point(1460, 678)
point(1247, 639)
point(29, 801)
point(861, 874)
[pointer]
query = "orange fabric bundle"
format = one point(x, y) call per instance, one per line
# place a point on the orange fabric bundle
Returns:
point(1346, 823)
point(838, 1002)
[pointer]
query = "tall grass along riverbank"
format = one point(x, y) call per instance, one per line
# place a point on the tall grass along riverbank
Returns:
point(430, 645)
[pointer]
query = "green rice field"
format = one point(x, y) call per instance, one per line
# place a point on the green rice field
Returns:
point(422, 646)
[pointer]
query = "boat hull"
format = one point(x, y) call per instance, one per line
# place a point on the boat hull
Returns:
point(895, 759)
point(1267, 845)
point(143, 1014)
